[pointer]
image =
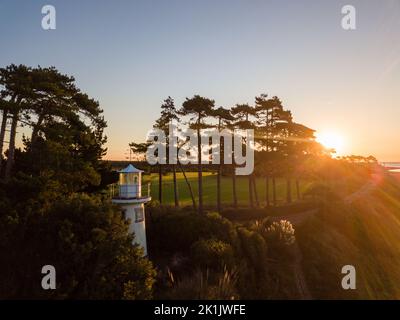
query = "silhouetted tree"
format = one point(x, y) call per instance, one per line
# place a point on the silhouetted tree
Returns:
point(243, 114)
point(224, 117)
point(47, 101)
point(16, 84)
point(4, 107)
point(168, 115)
point(199, 108)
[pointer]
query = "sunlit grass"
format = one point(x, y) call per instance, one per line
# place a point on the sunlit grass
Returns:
point(210, 189)
point(365, 234)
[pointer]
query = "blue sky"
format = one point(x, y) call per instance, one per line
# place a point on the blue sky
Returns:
point(130, 55)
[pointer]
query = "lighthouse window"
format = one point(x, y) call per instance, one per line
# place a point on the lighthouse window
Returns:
point(129, 178)
point(139, 214)
point(122, 178)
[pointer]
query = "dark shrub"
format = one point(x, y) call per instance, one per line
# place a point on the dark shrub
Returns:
point(253, 247)
point(173, 232)
point(212, 253)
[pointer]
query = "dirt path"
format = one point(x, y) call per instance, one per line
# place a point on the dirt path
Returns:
point(299, 218)
point(300, 280)
point(296, 218)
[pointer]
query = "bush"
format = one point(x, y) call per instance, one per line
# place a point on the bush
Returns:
point(210, 242)
point(281, 232)
point(253, 247)
point(177, 231)
point(204, 285)
point(88, 243)
point(212, 253)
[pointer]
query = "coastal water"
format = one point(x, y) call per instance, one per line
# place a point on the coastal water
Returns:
point(394, 166)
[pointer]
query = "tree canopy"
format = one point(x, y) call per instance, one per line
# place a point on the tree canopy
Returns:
point(52, 205)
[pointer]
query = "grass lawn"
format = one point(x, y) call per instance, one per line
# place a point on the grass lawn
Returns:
point(210, 188)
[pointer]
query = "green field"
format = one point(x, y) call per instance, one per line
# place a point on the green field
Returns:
point(210, 189)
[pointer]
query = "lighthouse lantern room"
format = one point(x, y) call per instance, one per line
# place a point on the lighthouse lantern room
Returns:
point(132, 202)
point(130, 184)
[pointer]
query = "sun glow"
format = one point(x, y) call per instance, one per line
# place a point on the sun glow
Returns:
point(331, 140)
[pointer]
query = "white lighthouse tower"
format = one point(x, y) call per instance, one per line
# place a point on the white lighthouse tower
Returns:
point(131, 200)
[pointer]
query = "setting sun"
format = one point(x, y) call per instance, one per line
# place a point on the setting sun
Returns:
point(331, 140)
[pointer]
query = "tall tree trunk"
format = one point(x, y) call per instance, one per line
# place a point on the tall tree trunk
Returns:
point(235, 201)
point(11, 149)
point(288, 190)
point(267, 191)
point(251, 200)
point(254, 180)
point(234, 191)
point(200, 170)
point(274, 191)
point(36, 128)
point(160, 183)
point(4, 127)
point(176, 192)
point(298, 189)
point(176, 195)
point(3, 131)
point(219, 188)
point(219, 176)
point(189, 186)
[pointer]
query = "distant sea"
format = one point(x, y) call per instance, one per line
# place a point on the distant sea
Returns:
point(394, 166)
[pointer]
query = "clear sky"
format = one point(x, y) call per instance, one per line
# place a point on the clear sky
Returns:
point(130, 55)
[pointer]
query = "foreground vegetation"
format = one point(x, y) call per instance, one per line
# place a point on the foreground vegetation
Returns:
point(210, 257)
point(213, 257)
point(366, 234)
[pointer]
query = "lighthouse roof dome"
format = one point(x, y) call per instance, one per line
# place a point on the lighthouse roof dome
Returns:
point(130, 169)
